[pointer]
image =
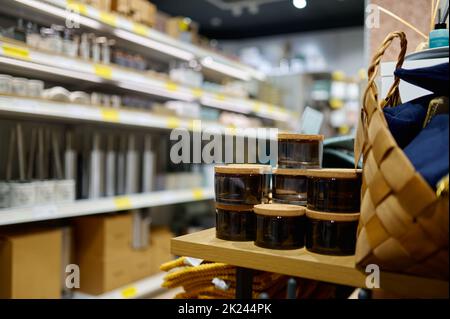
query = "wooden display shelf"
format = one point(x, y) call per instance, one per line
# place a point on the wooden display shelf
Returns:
point(301, 263)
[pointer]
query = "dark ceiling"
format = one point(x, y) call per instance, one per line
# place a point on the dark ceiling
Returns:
point(273, 17)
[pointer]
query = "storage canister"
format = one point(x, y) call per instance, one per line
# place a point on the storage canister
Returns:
point(239, 185)
point(267, 178)
point(235, 222)
point(280, 226)
point(300, 151)
point(331, 233)
point(289, 186)
point(334, 190)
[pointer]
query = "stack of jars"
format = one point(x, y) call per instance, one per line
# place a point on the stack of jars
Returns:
point(305, 205)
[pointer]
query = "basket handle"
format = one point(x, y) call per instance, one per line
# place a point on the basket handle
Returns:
point(370, 99)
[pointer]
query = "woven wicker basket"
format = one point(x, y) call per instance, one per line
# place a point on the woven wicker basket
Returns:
point(404, 223)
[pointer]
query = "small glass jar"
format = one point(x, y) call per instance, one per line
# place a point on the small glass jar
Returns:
point(290, 186)
point(331, 233)
point(235, 222)
point(239, 185)
point(266, 170)
point(300, 151)
point(334, 190)
point(280, 226)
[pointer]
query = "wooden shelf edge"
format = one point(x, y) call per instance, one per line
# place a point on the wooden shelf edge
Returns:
point(299, 263)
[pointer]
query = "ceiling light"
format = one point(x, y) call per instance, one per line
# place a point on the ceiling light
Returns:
point(299, 4)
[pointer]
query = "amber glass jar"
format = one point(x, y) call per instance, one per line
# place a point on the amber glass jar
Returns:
point(266, 170)
point(280, 226)
point(239, 185)
point(300, 151)
point(235, 222)
point(289, 186)
point(331, 233)
point(334, 190)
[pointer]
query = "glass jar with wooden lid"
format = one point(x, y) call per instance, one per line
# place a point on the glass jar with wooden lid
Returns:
point(280, 226)
point(334, 190)
point(235, 222)
point(236, 185)
point(331, 233)
point(300, 151)
point(289, 186)
point(267, 178)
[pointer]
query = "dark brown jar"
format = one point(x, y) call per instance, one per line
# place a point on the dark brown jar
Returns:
point(334, 190)
point(289, 186)
point(234, 222)
point(239, 185)
point(266, 170)
point(331, 233)
point(280, 226)
point(300, 151)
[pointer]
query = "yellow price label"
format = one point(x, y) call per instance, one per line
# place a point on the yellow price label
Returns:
point(129, 292)
point(197, 193)
point(220, 97)
point(338, 75)
point(256, 107)
point(108, 18)
point(336, 103)
point(140, 29)
point(197, 92)
point(16, 52)
point(103, 71)
point(110, 115)
point(171, 86)
point(173, 122)
point(122, 203)
point(77, 7)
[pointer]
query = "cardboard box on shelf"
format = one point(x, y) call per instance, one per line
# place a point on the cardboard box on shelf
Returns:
point(106, 237)
point(30, 264)
point(105, 255)
point(183, 29)
point(143, 11)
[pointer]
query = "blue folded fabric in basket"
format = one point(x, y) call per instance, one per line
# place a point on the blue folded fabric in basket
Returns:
point(405, 121)
point(434, 78)
point(428, 152)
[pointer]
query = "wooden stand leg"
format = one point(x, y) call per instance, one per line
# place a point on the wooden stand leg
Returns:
point(244, 283)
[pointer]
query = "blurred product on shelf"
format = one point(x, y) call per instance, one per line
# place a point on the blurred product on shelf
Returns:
point(182, 28)
point(269, 93)
point(37, 183)
point(105, 255)
point(184, 109)
point(184, 74)
point(40, 248)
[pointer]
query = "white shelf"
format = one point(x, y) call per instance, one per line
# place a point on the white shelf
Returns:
point(19, 56)
point(141, 35)
point(72, 112)
point(134, 290)
point(18, 215)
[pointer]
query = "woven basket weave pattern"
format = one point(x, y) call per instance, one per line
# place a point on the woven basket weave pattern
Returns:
point(403, 225)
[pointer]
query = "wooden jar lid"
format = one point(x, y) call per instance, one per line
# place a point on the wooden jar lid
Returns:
point(265, 168)
point(284, 210)
point(291, 171)
point(335, 172)
point(227, 169)
point(235, 208)
point(295, 136)
point(339, 217)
